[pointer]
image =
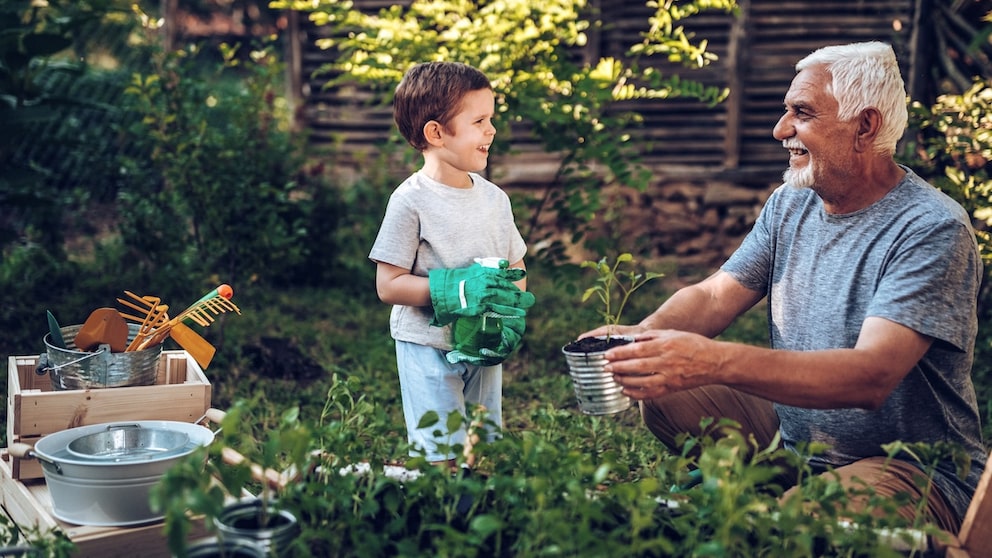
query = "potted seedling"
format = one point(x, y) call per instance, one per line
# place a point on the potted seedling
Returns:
point(597, 391)
point(217, 484)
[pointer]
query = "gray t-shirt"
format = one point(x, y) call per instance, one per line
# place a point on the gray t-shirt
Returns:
point(429, 225)
point(910, 258)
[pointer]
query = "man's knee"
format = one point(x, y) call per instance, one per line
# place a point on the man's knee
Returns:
point(681, 413)
point(873, 478)
point(659, 423)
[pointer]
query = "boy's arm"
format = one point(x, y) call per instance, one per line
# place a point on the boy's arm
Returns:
point(398, 286)
point(519, 264)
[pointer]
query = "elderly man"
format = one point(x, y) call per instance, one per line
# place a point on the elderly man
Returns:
point(872, 279)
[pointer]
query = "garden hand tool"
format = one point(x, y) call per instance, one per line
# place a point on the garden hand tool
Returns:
point(55, 331)
point(155, 315)
point(199, 348)
point(103, 326)
point(201, 312)
point(474, 290)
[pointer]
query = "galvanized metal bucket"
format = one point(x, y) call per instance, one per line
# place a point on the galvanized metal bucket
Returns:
point(71, 368)
point(271, 527)
point(598, 393)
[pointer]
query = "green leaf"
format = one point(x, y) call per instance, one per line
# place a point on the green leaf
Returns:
point(429, 419)
point(485, 524)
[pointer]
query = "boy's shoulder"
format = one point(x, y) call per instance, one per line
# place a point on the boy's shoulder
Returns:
point(479, 180)
point(418, 181)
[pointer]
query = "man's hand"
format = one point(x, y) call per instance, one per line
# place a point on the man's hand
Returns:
point(660, 362)
point(474, 290)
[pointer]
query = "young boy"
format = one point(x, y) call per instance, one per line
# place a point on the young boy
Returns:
point(437, 222)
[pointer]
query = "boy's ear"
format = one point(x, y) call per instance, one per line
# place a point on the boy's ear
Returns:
point(433, 133)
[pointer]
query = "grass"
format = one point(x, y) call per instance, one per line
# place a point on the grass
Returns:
point(558, 482)
point(347, 334)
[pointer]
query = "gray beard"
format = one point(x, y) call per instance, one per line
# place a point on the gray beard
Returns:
point(799, 179)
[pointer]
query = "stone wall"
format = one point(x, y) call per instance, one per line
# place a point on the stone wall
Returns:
point(694, 223)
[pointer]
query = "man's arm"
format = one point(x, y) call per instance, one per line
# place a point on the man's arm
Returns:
point(665, 361)
point(706, 308)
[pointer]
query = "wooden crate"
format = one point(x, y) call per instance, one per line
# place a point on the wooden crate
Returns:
point(974, 540)
point(181, 393)
point(29, 505)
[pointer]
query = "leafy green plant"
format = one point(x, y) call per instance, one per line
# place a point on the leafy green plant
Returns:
point(22, 540)
point(217, 163)
point(615, 286)
point(531, 53)
point(205, 482)
point(570, 485)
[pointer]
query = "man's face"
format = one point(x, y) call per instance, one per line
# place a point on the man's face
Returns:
point(820, 146)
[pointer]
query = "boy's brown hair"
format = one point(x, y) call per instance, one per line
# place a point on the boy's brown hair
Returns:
point(433, 91)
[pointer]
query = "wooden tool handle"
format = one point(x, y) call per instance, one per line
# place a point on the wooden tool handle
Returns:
point(272, 478)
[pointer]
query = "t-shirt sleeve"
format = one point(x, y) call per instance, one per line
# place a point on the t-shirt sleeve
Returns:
point(751, 263)
point(399, 234)
point(930, 283)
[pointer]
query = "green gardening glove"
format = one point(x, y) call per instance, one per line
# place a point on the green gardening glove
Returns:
point(474, 290)
point(511, 334)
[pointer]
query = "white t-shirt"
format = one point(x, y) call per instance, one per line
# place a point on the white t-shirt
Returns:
point(429, 225)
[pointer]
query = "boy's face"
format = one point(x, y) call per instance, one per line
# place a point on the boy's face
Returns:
point(465, 144)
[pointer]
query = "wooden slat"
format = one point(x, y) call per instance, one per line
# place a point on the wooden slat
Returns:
point(775, 35)
point(29, 505)
point(976, 529)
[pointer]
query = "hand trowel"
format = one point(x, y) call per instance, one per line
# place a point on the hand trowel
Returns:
point(103, 326)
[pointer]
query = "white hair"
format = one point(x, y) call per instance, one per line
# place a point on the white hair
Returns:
point(865, 75)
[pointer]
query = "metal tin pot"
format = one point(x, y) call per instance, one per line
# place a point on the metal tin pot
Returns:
point(215, 547)
point(107, 492)
point(71, 368)
point(596, 390)
point(266, 523)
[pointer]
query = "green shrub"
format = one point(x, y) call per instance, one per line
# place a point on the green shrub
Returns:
point(571, 485)
point(531, 53)
point(56, 134)
point(217, 189)
point(952, 149)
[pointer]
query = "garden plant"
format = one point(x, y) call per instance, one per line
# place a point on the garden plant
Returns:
point(613, 289)
point(213, 163)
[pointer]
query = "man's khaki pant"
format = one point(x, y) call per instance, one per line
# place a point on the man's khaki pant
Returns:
point(680, 413)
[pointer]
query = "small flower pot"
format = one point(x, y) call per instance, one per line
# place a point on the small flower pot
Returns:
point(215, 547)
point(598, 393)
point(272, 527)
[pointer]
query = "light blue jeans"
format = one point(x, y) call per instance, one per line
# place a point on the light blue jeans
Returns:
point(428, 382)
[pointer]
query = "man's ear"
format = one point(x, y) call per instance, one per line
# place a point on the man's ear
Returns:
point(434, 133)
point(869, 125)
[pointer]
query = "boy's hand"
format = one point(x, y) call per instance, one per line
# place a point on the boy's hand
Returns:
point(474, 290)
point(512, 333)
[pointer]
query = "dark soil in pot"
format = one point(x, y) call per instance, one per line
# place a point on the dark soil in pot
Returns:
point(595, 344)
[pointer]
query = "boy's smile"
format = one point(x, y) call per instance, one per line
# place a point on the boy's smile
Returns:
point(463, 145)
